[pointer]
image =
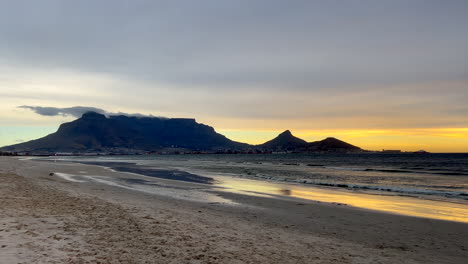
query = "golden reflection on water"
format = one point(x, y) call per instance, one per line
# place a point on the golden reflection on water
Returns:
point(388, 203)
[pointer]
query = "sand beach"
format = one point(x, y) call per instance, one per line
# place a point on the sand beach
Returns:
point(49, 218)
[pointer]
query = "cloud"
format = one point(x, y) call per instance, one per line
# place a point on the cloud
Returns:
point(303, 45)
point(75, 111)
point(246, 63)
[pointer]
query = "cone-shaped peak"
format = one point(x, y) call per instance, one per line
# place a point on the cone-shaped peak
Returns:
point(286, 133)
point(284, 141)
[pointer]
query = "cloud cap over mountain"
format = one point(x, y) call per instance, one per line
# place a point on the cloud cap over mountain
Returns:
point(75, 111)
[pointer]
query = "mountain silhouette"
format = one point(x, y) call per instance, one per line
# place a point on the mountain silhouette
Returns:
point(95, 132)
point(284, 142)
point(287, 142)
point(331, 144)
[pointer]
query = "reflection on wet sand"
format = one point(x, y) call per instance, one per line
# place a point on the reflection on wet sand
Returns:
point(426, 206)
point(388, 203)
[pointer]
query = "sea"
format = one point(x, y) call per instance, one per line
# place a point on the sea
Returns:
point(427, 176)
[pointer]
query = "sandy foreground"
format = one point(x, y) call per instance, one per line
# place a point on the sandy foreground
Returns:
point(48, 219)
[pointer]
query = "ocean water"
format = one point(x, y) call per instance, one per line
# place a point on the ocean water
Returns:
point(427, 176)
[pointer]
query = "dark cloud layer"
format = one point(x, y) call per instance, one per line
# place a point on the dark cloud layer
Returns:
point(295, 44)
point(75, 111)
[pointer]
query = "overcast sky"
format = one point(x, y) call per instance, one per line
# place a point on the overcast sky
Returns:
point(254, 66)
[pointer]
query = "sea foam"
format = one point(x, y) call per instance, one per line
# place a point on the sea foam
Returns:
point(68, 177)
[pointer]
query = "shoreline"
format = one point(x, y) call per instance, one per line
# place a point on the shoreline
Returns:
point(323, 176)
point(251, 230)
point(426, 206)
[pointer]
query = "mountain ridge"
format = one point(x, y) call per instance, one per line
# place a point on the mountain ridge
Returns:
point(99, 133)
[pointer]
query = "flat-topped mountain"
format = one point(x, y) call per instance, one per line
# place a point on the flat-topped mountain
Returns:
point(96, 132)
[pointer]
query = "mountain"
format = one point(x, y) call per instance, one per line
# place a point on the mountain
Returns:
point(96, 132)
point(284, 142)
point(287, 142)
point(331, 145)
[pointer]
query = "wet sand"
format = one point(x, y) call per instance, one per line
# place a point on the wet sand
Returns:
point(49, 219)
point(428, 206)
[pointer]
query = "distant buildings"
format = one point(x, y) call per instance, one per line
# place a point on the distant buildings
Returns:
point(421, 152)
point(391, 151)
point(397, 151)
point(8, 153)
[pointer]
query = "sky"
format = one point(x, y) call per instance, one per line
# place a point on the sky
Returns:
point(384, 74)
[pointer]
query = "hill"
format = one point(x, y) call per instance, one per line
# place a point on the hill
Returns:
point(331, 145)
point(284, 142)
point(287, 142)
